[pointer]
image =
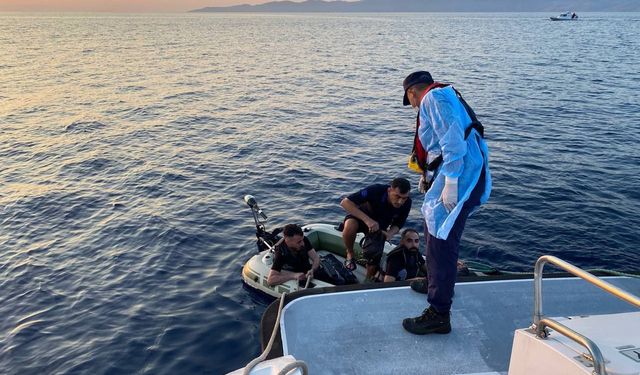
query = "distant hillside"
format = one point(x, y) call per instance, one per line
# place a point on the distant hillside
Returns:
point(436, 6)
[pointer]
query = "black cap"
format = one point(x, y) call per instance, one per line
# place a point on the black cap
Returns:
point(413, 79)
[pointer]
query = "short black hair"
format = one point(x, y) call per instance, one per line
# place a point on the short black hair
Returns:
point(291, 230)
point(402, 184)
point(408, 230)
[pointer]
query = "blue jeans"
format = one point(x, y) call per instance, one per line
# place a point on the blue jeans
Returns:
point(442, 255)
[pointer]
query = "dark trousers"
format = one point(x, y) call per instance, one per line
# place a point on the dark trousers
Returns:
point(442, 255)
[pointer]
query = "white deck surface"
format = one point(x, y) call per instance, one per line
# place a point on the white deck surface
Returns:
point(361, 332)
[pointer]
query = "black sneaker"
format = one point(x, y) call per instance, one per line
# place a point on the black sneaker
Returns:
point(420, 286)
point(430, 321)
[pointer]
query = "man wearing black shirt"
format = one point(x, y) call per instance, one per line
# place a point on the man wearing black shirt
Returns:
point(376, 207)
point(291, 257)
point(404, 262)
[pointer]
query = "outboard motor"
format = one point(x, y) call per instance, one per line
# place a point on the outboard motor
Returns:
point(251, 202)
point(266, 240)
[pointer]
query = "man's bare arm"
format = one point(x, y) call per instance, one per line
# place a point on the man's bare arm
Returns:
point(279, 277)
point(354, 210)
point(315, 260)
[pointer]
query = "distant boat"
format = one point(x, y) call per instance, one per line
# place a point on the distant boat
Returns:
point(567, 16)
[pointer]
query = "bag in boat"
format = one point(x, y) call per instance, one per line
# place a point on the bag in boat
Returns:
point(334, 272)
point(372, 245)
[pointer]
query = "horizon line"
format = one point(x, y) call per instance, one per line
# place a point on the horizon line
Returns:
point(247, 12)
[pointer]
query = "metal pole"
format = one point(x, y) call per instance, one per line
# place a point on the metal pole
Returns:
point(594, 351)
point(537, 313)
point(539, 324)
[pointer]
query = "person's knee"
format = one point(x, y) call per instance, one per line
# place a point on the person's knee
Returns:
point(350, 227)
point(351, 223)
point(349, 232)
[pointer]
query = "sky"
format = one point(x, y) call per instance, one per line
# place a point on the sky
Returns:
point(115, 5)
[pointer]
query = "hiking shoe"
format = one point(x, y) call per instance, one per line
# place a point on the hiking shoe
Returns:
point(430, 321)
point(420, 286)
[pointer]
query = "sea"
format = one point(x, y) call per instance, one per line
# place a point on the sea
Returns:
point(127, 143)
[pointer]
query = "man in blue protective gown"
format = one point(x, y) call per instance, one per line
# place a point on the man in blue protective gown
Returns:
point(450, 151)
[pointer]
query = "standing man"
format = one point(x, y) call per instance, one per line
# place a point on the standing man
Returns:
point(291, 257)
point(375, 208)
point(450, 150)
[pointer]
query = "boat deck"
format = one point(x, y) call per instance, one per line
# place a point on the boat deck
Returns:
point(360, 331)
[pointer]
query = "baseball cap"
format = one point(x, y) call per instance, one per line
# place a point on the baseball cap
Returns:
point(413, 79)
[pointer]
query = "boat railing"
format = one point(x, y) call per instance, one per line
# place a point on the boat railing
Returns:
point(540, 324)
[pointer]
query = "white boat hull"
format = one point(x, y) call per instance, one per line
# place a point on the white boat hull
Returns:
point(568, 16)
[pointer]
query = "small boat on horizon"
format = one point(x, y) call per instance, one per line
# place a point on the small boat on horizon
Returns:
point(566, 16)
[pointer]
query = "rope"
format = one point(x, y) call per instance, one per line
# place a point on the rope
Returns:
point(294, 365)
point(615, 273)
point(515, 273)
point(289, 367)
point(593, 270)
point(485, 268)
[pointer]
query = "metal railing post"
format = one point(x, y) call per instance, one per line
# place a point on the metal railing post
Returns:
point(537, 314)
point(594, 351)
point(539, 324)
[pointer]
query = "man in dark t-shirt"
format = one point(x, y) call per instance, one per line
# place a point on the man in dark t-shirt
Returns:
point(376, 207)
point(291, 257)
point(404, 262)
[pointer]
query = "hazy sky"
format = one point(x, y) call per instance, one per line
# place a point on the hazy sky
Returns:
point(116, 5)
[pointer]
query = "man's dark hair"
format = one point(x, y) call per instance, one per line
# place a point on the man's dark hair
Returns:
point(402, 184)
point(409, 230)
point(291, 230)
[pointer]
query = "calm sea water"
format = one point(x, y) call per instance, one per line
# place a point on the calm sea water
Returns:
point(128, 141)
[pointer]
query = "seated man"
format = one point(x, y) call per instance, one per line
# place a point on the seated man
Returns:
point(404, 262)
point(376, 207)
point(291, 258)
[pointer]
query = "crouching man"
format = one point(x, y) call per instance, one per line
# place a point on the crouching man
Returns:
point(375, 208)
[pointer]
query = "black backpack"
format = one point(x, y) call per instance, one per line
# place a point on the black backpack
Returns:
point(372, 245)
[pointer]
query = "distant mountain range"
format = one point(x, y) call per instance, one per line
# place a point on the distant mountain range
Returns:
point(436, 6)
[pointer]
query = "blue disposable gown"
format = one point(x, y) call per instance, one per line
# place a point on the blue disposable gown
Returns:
point(443, 120)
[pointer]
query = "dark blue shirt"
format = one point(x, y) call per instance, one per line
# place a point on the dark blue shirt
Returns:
point(374, 202)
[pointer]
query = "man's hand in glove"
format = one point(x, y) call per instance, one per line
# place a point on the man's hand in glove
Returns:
point(450, 193)
point(422, 185)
